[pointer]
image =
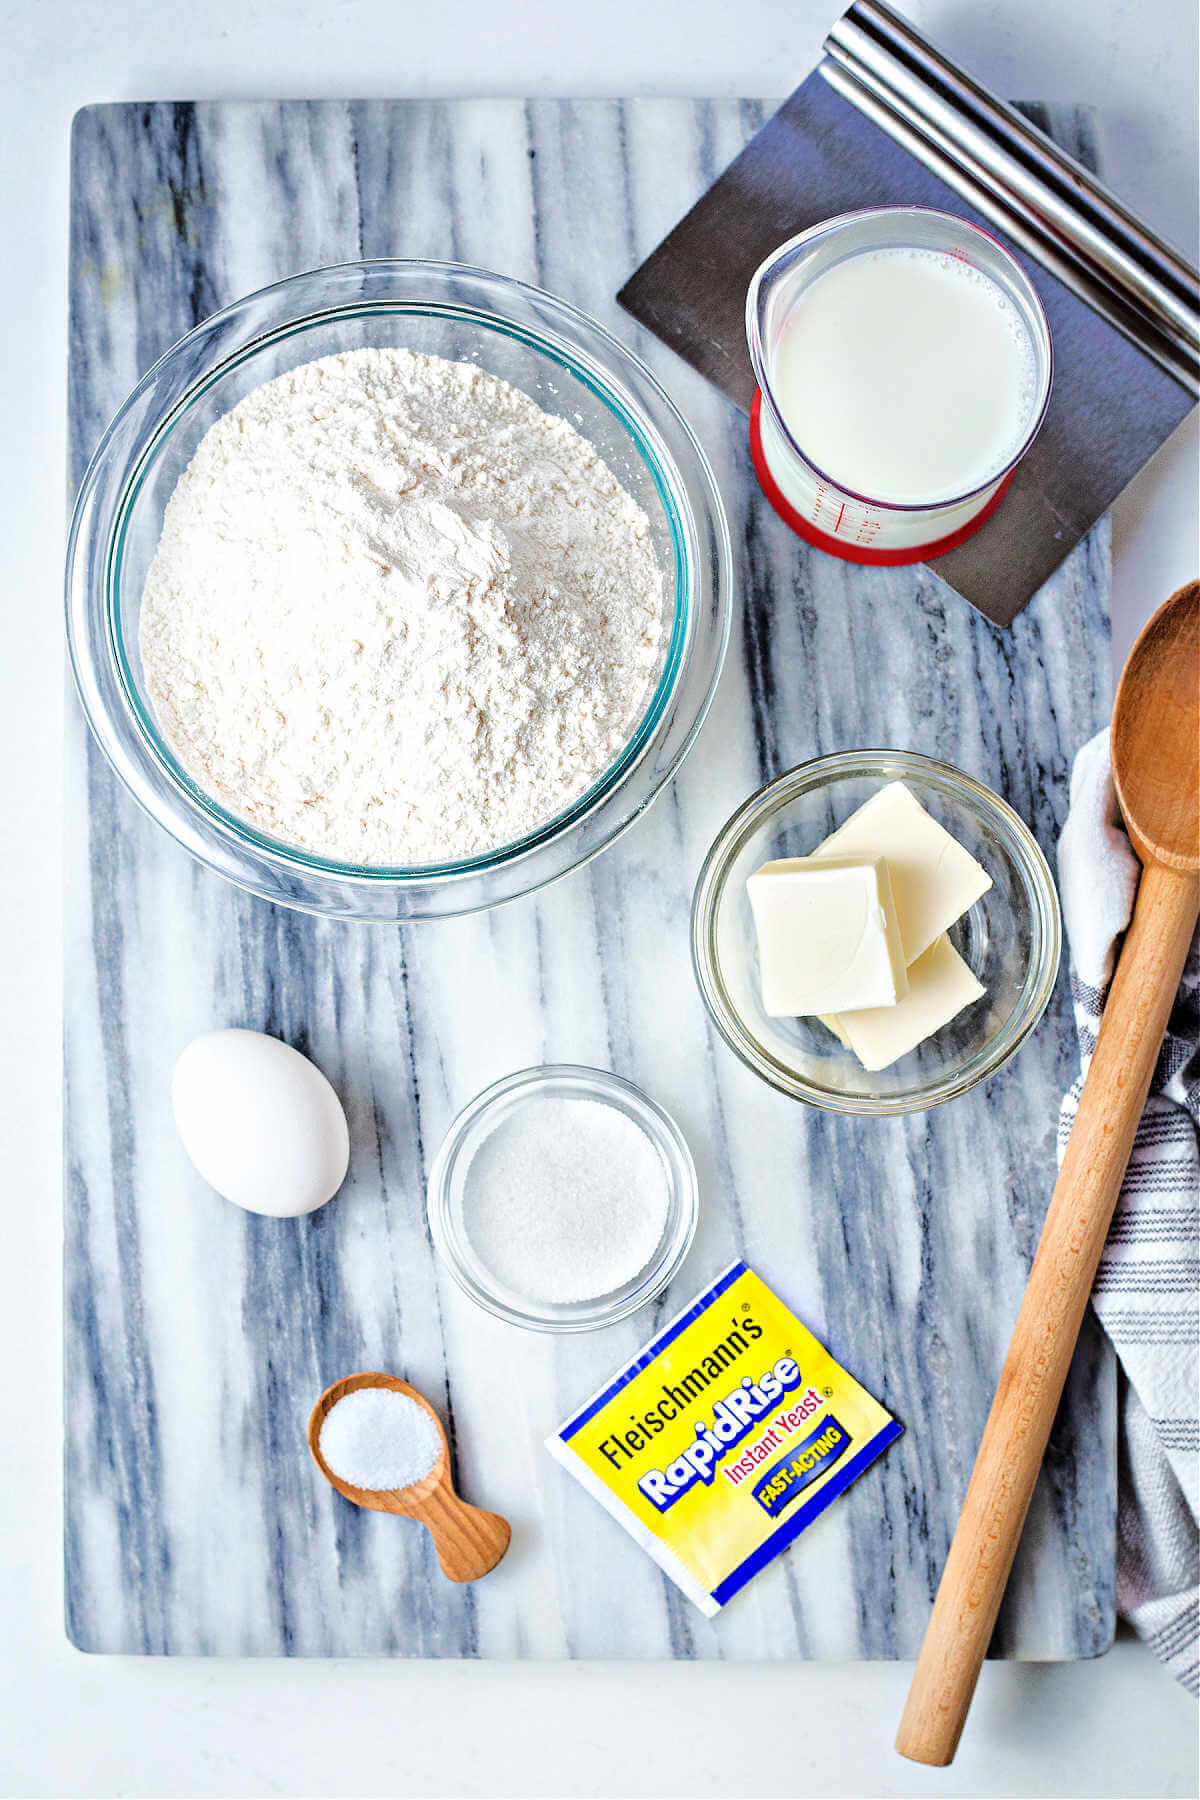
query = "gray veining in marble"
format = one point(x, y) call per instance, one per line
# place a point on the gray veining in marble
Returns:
point(198, 1337)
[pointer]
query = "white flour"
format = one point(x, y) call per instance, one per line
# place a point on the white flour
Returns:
point(398, 613)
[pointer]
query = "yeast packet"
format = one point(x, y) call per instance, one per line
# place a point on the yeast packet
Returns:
point(724, 1438)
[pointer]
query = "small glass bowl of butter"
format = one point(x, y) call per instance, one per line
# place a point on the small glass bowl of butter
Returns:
point(988, 973)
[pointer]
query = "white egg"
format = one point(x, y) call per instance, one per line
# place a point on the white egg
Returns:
point(260, 1122)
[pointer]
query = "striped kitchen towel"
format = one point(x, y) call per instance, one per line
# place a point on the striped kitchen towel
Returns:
point(1147, 1293)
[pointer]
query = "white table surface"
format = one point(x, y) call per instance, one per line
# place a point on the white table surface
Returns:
point(70, 1725)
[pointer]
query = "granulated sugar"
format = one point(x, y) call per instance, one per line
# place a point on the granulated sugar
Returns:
point(398, 612)
point(374, 1437)
point(566, 1200)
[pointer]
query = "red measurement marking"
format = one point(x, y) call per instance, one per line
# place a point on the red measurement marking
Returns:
point(841, 510)
point(838, 546)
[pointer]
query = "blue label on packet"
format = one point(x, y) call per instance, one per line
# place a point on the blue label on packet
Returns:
point(797, 1470)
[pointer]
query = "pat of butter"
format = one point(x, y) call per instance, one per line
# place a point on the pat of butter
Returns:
point(826, 929)
point(940, 984)
point(934, 879)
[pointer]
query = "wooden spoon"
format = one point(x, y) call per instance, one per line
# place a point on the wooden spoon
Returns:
point(468, 1541)
point(1156, 763)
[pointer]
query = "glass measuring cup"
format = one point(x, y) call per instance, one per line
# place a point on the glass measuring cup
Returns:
point(828, 512)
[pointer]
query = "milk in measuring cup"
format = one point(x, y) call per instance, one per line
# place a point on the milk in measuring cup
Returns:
point(906, 375)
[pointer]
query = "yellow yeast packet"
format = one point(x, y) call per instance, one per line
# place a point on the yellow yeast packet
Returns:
point(724, 1438)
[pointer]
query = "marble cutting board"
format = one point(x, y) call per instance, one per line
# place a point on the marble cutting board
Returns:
point(197, 1338)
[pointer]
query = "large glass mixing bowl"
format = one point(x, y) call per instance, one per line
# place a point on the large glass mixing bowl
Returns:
point(564, 361)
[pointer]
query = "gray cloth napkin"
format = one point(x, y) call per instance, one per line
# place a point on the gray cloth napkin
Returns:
point(1147, 1292)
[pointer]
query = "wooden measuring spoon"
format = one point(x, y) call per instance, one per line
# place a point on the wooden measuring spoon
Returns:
point(468, 1540)
point(1156, 764)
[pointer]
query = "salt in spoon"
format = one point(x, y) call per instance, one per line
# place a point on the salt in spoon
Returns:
point(468, 1540)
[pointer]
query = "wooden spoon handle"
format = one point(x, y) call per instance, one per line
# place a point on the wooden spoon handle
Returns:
point(1031, 1383)
point(468, 1540)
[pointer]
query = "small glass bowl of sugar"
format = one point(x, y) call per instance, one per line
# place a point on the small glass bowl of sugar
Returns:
point(563, 1198)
